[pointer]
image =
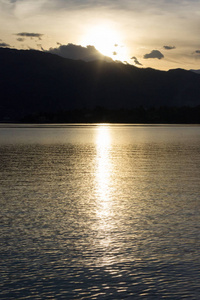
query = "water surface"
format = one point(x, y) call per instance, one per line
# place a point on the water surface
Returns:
point(100, 212)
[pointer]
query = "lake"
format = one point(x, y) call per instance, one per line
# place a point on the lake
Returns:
point(99, 211)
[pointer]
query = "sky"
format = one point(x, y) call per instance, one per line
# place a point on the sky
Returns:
point(161, 34)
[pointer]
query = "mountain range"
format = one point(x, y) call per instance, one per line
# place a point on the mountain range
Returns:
point(35, 82)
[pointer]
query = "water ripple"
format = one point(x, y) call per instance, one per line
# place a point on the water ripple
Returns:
point(101, 219)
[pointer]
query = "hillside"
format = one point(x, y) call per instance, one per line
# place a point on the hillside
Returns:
point(34, 82)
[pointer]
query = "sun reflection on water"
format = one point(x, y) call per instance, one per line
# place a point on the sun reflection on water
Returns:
point(103, 171)
point(104, 198)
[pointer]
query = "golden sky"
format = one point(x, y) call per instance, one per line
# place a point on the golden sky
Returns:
point(161, 34)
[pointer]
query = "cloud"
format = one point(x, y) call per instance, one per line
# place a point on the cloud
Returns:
point(136, 61)
point(20, 39)
point(136, 5)
point(169, 47)
point(72, 51)
point(154, 54)
point(29, 34)
point(196, 54)
point(2, 45)
point(24, 8)
point(114, 53)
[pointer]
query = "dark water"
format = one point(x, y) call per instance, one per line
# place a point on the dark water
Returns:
point(100, 212)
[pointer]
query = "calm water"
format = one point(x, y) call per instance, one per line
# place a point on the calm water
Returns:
point(100, 212)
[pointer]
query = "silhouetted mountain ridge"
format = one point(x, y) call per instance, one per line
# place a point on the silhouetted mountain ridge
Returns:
point(34, 81)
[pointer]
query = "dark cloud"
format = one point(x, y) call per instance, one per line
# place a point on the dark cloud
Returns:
point(116, 45)
point(20, 39)
point(136, 61)
point(30, 34)
point(2, 45)
point(169, 47)
point(39, 46)
point(72, 51)
point(196, 54)
point(154, 54)
point(114, 53)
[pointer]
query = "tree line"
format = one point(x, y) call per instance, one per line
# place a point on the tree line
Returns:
point(152, 115)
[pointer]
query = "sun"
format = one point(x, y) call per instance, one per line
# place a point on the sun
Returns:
point(106, 40)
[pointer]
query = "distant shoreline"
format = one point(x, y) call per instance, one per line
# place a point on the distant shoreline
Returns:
point(139, 115)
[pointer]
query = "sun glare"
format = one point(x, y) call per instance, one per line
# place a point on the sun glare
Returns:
point(103, 169)
point(106, 40)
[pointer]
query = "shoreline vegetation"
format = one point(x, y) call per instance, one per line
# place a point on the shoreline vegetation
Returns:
point(153, 115)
